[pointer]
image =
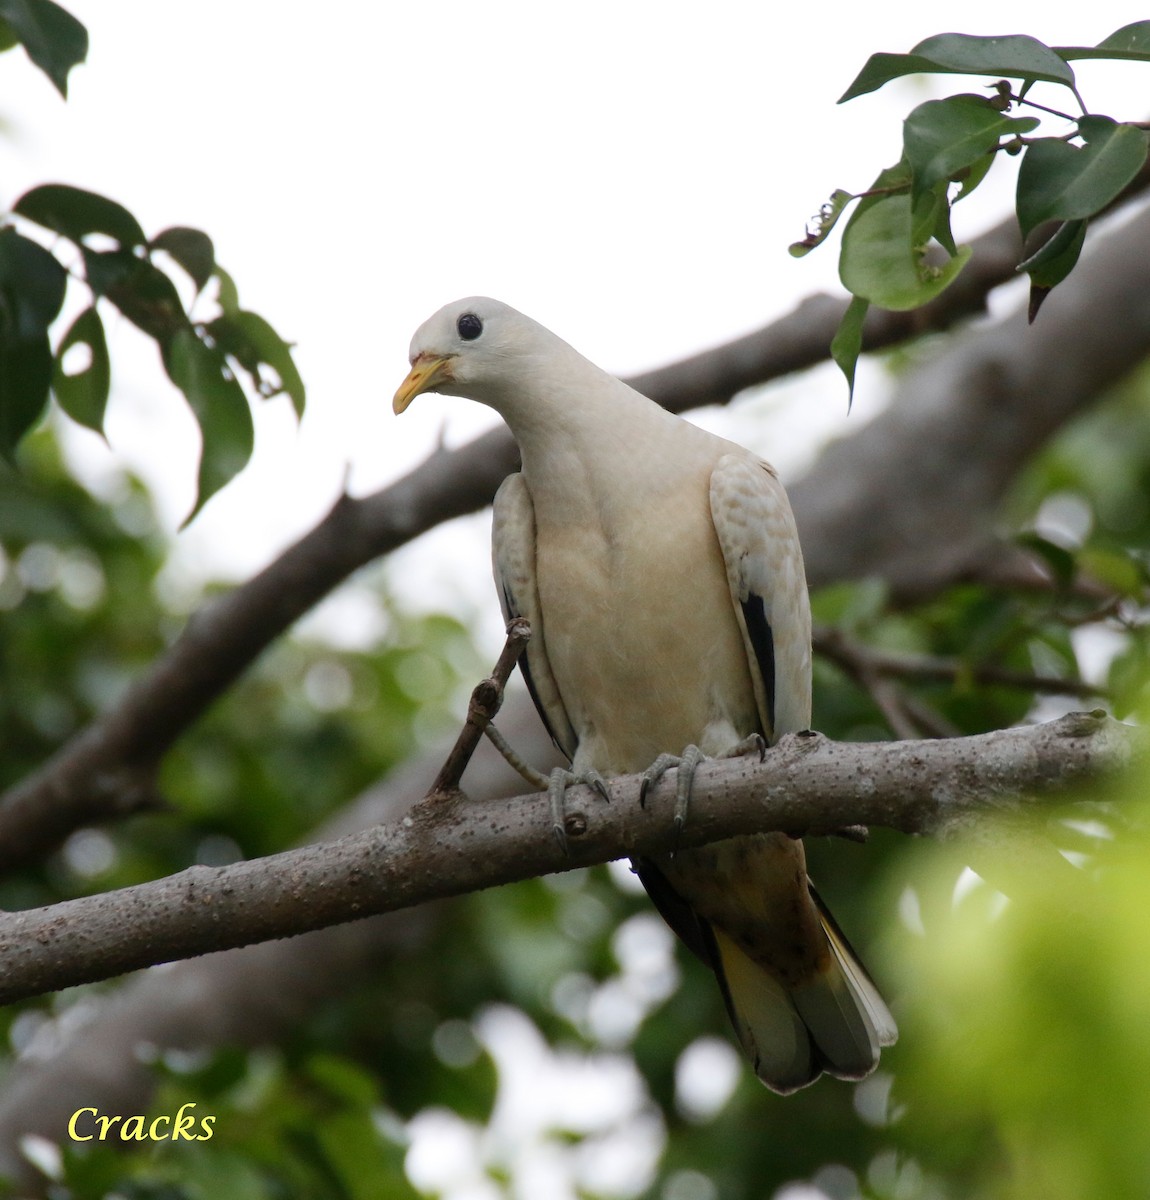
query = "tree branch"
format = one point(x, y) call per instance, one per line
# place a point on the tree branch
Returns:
point(863, 662)
point(238, 998)
point(446, 847)
point(899, 500)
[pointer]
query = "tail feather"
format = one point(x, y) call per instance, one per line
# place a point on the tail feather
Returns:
point(771, 1031)
point(835, 1022)
point(863, 989)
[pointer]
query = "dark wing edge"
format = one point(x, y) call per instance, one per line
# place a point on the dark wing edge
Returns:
point(762, 643)
point(691, 929)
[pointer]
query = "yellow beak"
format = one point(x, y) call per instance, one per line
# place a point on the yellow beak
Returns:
point(426, 374)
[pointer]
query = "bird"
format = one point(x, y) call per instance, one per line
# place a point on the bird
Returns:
point(660, 569)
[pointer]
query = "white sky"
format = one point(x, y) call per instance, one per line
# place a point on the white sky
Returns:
point(630, 174)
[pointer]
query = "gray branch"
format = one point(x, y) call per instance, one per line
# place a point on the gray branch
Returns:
point(447, 847)
point(910, 498)
point(247, 997)
point(943, 407)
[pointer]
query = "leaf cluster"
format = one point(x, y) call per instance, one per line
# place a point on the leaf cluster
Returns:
point(205, 356)
point(101, 248)
point(53, 39)
point(898, 251)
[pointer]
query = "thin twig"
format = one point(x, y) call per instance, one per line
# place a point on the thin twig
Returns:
point(887, 696)
point(486, 699)
point(928, 719)
point(860, 660)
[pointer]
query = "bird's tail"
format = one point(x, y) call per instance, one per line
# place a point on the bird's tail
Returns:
point(834, 1021)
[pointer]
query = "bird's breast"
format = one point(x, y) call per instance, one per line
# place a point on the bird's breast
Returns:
point(640, 628)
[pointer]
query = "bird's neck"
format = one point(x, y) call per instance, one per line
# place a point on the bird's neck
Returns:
point(589, 451)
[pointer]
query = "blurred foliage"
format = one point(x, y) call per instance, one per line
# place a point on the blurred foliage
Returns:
point(81, 593)
point(1025, 1065)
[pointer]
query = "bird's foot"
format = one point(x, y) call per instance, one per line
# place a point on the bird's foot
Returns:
point(753, 743)
point(687, 764)
point(558, 783)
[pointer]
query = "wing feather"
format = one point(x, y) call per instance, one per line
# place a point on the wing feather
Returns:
point(513, 563)
point(760, 546)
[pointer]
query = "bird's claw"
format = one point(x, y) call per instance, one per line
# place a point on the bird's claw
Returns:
point(753, 743)
point(687, 764)
point(654, 773)
point(557, 784)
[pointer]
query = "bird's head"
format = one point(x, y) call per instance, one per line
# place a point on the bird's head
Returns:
point(463, 350)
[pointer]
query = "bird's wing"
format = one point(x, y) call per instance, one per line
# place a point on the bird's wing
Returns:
point(760, 546)
point(513, 561)
point(837, 1002)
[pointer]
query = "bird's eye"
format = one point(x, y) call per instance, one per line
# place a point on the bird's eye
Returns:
point(469, 326)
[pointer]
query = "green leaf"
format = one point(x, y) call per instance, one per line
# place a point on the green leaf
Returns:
point(970, 179)
point(1135, 38)
point(33, 283)
point(881, 68)
point(76, 214)
point(192, 249)
point(138, 288)
point(83, 395)
point(1119, 571)
point(8, 37)
point(1060, 560)
point(882, 259)
point(1015, 56)
point(220, 407)
point(1040, 264)
point(228, 295)
point(1052, 262)
point(846, 346)
point(820, 226)
point(1062, 182)
point(54, 39)
point(25, 374)
point(254, 344)
point(930, 218)
point(943, 138)
point(32, 287)
point(1131, 42)
point(923, 217)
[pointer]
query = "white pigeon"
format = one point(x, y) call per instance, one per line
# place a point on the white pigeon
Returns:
point(661, 572)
